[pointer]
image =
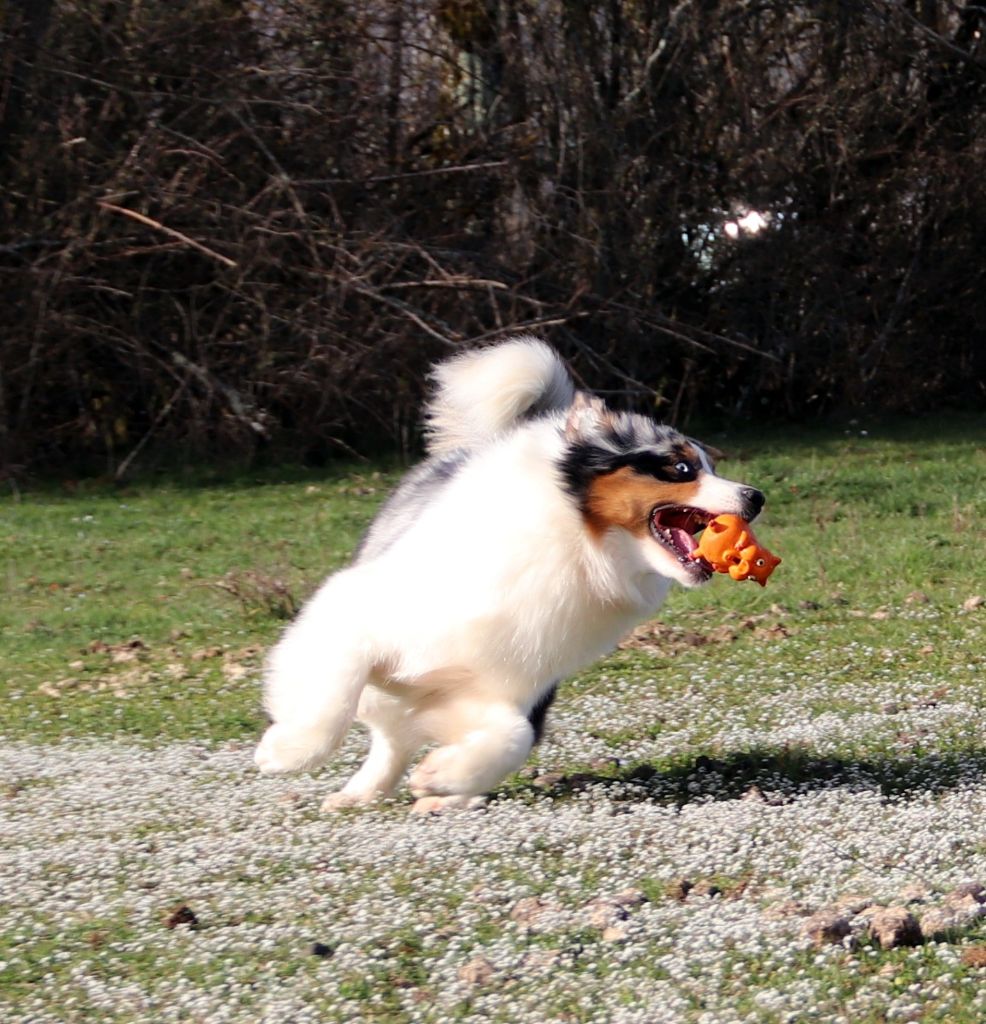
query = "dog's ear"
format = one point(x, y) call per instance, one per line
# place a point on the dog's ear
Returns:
point(587, 415)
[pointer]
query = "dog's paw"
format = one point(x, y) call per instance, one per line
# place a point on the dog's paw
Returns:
point(287, 749)
point(437, 775)
point(341, 800)
point(441, 804)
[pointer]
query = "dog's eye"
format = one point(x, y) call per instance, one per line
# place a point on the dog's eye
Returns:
point(684, 469)
point(761, 561)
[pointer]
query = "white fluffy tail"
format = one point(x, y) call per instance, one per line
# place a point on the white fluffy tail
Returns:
point(483, 393)
point(311, 691)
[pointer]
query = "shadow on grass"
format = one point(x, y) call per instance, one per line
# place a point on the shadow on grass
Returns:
point(774, 775)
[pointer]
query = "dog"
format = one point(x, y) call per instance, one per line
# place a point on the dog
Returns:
point(540, 529)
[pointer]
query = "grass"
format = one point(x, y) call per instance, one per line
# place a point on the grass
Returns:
point(142, 613)
point(196, 572)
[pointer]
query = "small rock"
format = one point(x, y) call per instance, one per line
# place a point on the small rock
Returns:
point(964, 889)
point(602, 913)
point(891, 927)
point(630, 898)
point(786, 908)
point(970, 604)
point(958, 911)
point(182, 914)
point(965, 905)
point(917, 892)
point(614, 933)
point(826, 928)
point(891, 708)
point(974, 956)
point(943, 922)
point(478, 971)
point(754, 795)
point(289, 798)
point(854, 903)
point(679, 889)
point(538, 959)
point(548, 780)
point(809, 606)
point(320, 949)
point(880, 614)
point(917, 597)
point(528, 911)
point(703, 887)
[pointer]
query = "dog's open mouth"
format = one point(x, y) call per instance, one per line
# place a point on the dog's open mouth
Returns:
point(674, 527)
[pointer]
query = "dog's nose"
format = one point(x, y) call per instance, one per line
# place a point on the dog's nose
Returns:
point(755, 499)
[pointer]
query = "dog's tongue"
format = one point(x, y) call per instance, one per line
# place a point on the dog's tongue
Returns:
point(683, 540)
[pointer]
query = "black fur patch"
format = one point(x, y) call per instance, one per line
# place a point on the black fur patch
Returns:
point(413, 494)
point(651, 452)
point(537, 715)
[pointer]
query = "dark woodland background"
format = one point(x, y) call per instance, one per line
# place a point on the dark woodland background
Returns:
point(231, 226)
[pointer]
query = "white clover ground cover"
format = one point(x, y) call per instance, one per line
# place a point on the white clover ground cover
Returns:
point(418, 917)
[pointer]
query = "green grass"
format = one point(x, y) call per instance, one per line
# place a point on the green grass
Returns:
point(101, 566)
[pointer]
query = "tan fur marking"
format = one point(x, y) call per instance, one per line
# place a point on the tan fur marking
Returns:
point(625, 498)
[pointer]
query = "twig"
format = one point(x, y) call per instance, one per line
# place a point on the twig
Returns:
point(371, 293)
point(526, 325)
point(121, 470)
point(236, 403)
point(379, 178)
point(935, 37)
point(452, 282)
point(655, 54)
point(158, 226)
point(663, 323)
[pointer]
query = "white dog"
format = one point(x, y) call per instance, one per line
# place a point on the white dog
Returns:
point(541, 528)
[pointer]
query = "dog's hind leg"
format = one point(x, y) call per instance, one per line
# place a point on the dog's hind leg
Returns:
point(483, 744)
point(311, 693)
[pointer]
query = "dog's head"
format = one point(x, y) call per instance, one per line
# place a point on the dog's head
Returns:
point(632, 474)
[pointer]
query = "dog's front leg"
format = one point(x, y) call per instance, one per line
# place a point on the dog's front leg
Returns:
point(390, 752)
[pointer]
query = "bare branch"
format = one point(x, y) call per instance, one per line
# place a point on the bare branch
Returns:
point(158, 226)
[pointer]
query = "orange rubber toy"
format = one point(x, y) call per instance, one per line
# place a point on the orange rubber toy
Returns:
point(728, 545)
